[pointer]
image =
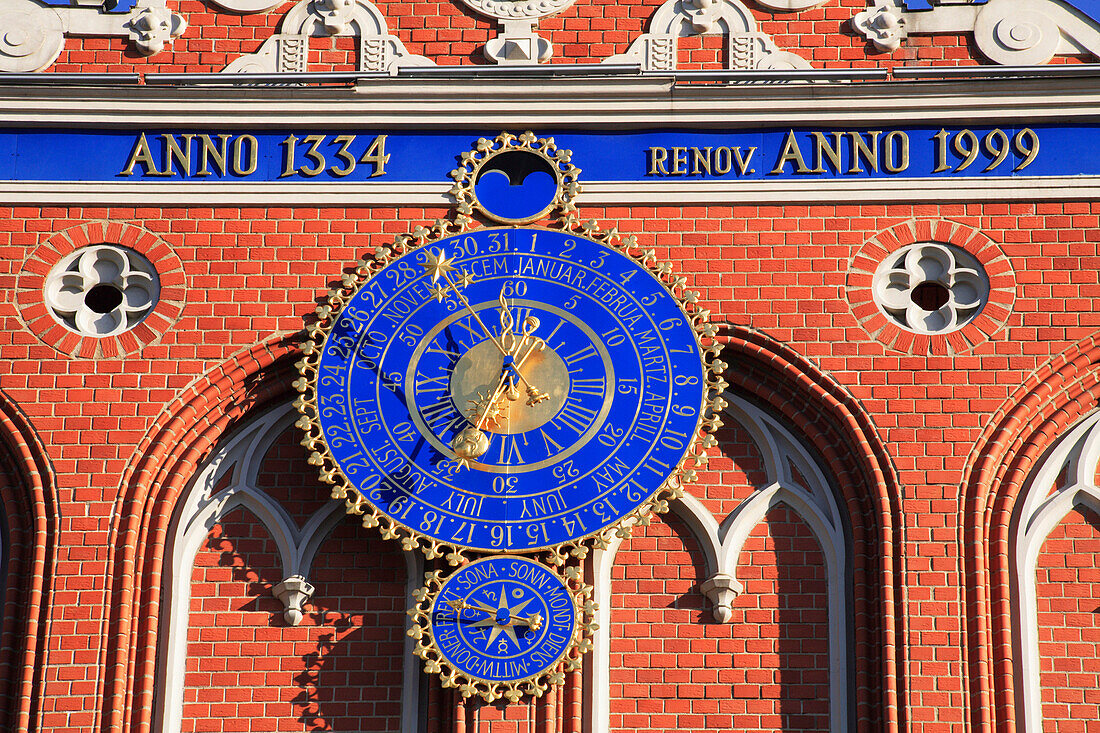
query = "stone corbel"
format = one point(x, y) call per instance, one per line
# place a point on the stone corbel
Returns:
point(32, 35)
point(517, 43)
point(293, 592)
point(722, 590)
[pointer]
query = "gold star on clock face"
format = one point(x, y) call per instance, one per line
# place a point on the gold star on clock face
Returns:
point(437, 265)
point(502, 618)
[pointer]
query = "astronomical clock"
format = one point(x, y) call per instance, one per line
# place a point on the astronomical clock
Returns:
point(503, 398)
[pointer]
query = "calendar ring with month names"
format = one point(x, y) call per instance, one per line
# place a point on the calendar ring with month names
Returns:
point(509, 390)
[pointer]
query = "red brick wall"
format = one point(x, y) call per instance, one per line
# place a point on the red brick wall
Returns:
point(252, 274)
point(1067, 586)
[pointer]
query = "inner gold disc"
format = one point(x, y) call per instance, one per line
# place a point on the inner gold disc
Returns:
point(477, 375)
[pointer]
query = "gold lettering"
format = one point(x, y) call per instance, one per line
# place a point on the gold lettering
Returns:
point(823, 149)
point(253, 155)
point(723, 161)
point(211, 152)
point(679, 162)
point(141, 153)
point(791, 153)
point(898, 151)
point(657, 158)
point(860, 149)
point(743, 163)
point(175, 153)
point(700, 159)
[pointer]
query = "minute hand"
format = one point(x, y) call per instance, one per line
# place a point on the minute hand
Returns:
point(488, 333)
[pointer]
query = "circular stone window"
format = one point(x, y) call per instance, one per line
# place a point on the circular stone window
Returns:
point(101, 290)
point(931, 287)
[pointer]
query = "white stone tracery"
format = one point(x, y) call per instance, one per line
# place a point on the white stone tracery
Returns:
point(1070, 470)
point(785, 460)
point(747, 47)
point(954, 274)
point(204, 505)
point(118, 273)
point(288, 50)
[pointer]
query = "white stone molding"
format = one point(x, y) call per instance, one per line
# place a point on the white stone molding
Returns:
point(785, 459)
point(236, 466)
point(288, 50)
point(32, 35)
point(1066, 479)
point(748, 48)
point(1010, 32)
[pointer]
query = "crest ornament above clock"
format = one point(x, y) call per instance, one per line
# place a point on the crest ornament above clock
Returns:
point(508, 389)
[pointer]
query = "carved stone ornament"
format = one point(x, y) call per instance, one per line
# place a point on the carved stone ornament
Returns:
point(293, 592)
point(1010, 32)
point(722, 590)
point(248, 6)
point(152, 27)
point(516, 9)
point(748, 48)
point(288, 49)
point(32, 35)
point(517, 42)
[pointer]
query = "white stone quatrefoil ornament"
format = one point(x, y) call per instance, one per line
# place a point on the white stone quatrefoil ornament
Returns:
point(931, 287)
point(102, 290)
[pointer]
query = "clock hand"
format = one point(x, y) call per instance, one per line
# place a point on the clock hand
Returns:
point(443, 271)
point(534, 621)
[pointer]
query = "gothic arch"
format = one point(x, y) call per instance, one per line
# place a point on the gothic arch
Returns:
point(834, 426)
point(30, 506)
point(1056, 397)
point(226, 481)
point(180, 440)
point(851, 509)
point(721, 545)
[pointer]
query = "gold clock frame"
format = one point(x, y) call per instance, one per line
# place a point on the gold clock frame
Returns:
point(705, 332)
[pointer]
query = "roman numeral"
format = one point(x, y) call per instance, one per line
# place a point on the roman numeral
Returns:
point(584, 353)
point(575, 417)
point(594, 387)
point(434, 384)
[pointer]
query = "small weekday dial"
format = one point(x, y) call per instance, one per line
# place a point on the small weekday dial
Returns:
point(503, 619)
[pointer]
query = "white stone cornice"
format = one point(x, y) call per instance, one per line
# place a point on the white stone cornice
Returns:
point(621, 103)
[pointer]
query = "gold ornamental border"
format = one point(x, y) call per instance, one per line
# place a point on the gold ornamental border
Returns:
point(473, 161)
point(553, 675)
point(695, 455)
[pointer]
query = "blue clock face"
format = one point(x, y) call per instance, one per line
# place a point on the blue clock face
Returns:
point(503, 619)
point(510, 390)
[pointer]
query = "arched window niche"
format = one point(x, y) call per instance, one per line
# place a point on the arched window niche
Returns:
point(254, 478)
point(791, 482)
point(1056, 579)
